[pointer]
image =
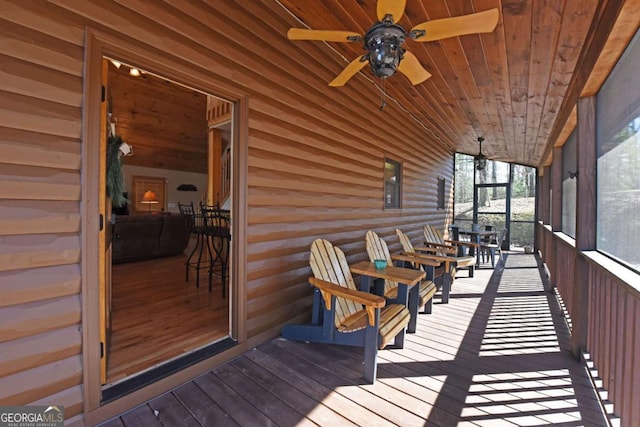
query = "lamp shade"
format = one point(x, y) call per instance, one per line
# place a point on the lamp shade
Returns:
point(149, 197)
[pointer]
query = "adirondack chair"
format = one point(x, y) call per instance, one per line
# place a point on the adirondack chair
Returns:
point(418, 258)
point(346, 316)
point(377, 249)
point(434, 239)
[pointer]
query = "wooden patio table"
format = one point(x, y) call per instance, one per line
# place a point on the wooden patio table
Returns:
point(407, 279)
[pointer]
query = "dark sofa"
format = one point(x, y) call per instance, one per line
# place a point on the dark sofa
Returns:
point(141, 237)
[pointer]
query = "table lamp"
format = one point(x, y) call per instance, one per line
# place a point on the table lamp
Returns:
point(149, 198)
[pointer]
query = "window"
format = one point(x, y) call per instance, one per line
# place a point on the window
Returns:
point(463, 190)
point(569, 186)
point(618, 163)
point(440, 192)
point(158, 188)
point(392, 184)
point(494, 173)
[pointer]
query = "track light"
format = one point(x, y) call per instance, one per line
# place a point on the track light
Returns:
point(134, 72)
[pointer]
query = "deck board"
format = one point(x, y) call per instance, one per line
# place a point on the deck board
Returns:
point(171, 412)
point(300, 402)
point(238, 408)
point(269, 403)
point(201, 407)
point(497, 354)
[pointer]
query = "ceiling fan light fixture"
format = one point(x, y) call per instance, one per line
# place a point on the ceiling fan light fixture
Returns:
point(480, 160)
point(384, 43)
point(384, 39)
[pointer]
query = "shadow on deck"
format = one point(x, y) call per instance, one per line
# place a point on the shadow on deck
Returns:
point(496, 355)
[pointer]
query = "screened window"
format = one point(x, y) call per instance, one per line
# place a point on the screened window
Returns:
point(494, 173)
point(523, 206)
point(503, 195)
point(392, 184)
point(569, 186)
point(463, 190)
point(618, 164)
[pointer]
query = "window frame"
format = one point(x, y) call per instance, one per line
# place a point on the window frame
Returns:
point(397, 204)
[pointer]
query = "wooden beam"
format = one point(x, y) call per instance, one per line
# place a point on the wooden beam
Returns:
point(568, 128)
point(625, 28)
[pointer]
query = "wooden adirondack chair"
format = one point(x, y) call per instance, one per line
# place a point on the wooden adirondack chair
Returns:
point(378, 249)
point(435, 240)
point(344, 315)
point(418, 258)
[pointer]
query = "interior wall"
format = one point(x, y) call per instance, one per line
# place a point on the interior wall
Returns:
point(315, 167)
point(174, 178)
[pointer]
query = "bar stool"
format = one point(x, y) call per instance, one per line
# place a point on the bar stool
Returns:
point(218, 236)
point(196, 228)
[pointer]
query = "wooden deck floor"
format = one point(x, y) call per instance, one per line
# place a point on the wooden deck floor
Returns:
point(496, 355)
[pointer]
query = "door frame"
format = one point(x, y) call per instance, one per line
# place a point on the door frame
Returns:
point(506, 213)
point(100, 44)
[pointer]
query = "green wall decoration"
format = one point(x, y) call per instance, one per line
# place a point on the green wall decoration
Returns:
point(115, 175)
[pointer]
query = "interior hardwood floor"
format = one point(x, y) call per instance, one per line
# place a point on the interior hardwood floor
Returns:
point(158, 316)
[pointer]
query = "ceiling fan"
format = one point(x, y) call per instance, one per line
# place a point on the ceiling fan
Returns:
point(383, 41)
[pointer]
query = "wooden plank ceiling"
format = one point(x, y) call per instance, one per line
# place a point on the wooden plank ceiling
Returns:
point(507, 86)
point(164, 122)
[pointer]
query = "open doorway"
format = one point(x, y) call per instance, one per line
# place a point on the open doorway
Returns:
point(167, 146)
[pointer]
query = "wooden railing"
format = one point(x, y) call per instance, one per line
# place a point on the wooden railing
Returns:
point(614, 335)
point(218, 111)
point(565, 270)
point(612, 317)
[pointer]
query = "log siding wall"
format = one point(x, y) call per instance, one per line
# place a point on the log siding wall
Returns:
point(315, 165)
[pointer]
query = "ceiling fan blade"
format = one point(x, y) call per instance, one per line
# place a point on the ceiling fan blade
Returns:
point(348, 72)
point(481, 22)
point(324, 35)
point(394, 8)
point(411, 67)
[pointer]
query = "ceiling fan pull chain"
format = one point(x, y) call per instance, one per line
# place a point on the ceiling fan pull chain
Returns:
point(382, 95)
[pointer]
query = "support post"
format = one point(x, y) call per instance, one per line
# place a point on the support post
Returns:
point(585, 219)
point(556, 188)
